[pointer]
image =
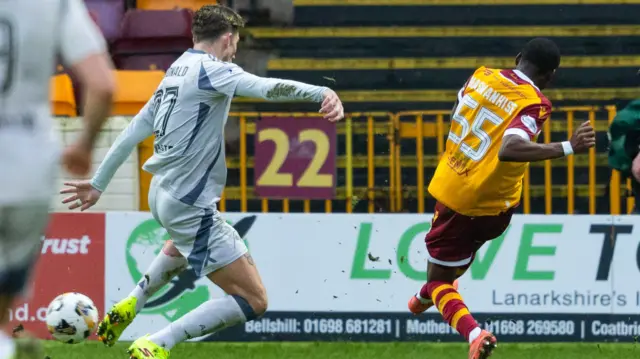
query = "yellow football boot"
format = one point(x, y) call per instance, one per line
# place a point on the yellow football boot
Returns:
point(117, 320)
point(143, 348)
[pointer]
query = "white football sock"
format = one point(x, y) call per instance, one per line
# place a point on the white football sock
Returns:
point(424, 300)
point(211, 316)
point(160, 272)
point(474, 334)
point(7, 346)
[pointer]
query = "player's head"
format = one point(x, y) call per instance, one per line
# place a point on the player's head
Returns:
point(217, 27)
point(539, 59)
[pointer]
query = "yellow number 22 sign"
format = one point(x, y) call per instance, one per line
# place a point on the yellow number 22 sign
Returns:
point(295, 158)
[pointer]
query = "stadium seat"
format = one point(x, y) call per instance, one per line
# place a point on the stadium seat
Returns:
point(108, 15)
point(172, 4)
point(134, 89)
point(140, 36)
point(63, 102)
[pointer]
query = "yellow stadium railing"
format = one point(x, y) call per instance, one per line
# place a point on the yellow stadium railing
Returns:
point(418, 130)
point(414, 141)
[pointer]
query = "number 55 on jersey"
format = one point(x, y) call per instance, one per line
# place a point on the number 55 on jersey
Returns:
point(470, 178)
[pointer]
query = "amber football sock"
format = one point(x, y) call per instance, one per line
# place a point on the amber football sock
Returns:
point(423, 295)
point(452, 307)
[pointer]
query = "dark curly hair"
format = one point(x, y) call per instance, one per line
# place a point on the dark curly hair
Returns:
point(211, 21)
point(543, 54)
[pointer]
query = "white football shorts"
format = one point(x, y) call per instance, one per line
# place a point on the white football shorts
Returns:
point(200, 234)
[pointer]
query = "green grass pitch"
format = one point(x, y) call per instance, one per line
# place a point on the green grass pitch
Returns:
point(351, 351)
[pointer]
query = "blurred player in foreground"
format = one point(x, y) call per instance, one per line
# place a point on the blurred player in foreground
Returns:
point(31, 37)
point(478, 183)
point(187, 115)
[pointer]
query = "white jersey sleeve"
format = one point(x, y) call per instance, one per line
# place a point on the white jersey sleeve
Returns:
point(137, 131)
point(79, 36)
point(230, 80)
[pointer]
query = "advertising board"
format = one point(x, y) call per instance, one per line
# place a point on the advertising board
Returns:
point(71, 260)
point(349, 277)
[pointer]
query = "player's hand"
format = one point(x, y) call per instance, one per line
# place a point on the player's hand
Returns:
point(77, 159)
point(332, 106)
point(584, 138)
point(83, 195)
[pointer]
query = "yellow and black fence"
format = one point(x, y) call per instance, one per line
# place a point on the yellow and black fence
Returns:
point(385, 161)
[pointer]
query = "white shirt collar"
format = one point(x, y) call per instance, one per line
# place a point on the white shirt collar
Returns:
point(521, 75)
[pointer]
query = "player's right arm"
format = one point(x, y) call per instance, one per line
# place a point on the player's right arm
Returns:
point(84, 51)
point(232, 80)
point(518, 143)
point(84, 194)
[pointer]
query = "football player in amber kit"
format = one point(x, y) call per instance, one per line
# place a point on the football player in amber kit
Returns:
point(478, 183)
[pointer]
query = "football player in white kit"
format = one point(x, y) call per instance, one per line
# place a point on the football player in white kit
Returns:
point(187, 115)
point(32, 35)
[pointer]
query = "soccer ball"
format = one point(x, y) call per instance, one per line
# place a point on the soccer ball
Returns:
point(71, 317)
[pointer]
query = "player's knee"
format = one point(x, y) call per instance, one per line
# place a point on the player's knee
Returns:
point(440, 273)
point(170, 249)
point(253, 306)
point(258, 301)
point(261, 303)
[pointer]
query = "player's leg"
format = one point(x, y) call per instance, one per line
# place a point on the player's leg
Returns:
point(421, 301)
point(220, 254)
point(437, 242)
point(246, 299)
point(453, 309)
point(21, 228)
point(167, 264)
point(451, 245)
point(450, 304)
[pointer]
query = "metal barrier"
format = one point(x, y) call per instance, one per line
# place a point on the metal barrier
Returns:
point(408, 142)
point(419, 129)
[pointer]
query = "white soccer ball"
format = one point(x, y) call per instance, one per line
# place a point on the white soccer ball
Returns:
point(71, 317)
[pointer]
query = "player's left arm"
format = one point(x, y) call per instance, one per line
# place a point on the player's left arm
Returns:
point(273, 89)
point(518, 141)
point(232, 80)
